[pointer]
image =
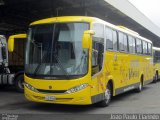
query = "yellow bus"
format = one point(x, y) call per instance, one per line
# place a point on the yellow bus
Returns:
point(84, 60)
point(156, 59)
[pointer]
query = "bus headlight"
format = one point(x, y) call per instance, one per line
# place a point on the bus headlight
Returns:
point(77, 88)
point(30, 87)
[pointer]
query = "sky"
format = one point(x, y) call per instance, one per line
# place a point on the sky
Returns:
point(150, 8)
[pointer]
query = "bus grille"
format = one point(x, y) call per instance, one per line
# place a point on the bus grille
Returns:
point(56, 100)
point(51, 91)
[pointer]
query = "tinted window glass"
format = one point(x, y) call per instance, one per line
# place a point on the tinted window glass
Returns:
point(134, 45)
point(139, 46)
point(131, 42)
point(97, 49)
point(109, 38)
point(144, 47)
point(149, 49)
point(125, 43)
point(121, 44)
point(115, 40)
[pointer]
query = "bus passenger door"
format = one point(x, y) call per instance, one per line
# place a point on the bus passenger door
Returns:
point(97, 82)
point(97, 68)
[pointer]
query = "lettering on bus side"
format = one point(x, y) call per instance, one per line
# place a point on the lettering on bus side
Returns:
point(133, 70)
point(133, 73)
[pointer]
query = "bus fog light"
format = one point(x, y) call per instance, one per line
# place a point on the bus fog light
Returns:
point(77, 88)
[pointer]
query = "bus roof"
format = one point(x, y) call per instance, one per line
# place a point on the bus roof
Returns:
point(156, 48)
point(89, 19)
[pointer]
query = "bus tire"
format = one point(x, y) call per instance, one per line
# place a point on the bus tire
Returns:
point(140, 87)
point(19, 83)
point(108, 95)
point(155, 78)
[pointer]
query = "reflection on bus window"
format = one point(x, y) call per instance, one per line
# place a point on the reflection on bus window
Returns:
point(97, 48)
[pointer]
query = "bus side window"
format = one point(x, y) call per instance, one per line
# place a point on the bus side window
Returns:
point(109, 39)
point(132, 43)
point(123, 44)
point(145, 48)
point(139, 46)
point(115, 45)
point(149, 49)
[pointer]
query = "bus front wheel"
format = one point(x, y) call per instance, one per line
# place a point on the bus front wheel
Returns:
point(107, 97)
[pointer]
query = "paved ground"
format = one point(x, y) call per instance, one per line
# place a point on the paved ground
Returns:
point(148, 101)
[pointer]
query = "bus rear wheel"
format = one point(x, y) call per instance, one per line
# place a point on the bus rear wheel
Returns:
point(107, 97)
point(140, 87)
point(155, 78)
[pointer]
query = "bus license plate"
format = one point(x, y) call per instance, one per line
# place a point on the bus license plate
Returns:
point(50, 98)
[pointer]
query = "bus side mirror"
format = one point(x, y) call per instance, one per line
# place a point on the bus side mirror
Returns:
point(87, 37)
point(11, 44)
point(11, 41)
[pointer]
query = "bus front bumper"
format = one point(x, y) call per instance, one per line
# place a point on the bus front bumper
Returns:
point(81, 97)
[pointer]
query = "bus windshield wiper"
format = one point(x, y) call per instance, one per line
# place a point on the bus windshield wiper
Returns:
point(38, 66)
point(61, 66)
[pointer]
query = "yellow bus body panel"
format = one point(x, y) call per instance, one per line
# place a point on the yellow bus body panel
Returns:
point(81, 97)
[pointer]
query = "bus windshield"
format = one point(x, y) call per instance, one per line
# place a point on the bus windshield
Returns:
point(55, 50)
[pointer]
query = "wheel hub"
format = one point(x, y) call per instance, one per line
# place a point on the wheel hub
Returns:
point(107, 95)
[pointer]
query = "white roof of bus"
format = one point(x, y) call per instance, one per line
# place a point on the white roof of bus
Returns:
point(122, 30)
point(156, 48)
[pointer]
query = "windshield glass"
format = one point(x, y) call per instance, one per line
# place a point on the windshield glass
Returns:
point(56, 50)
